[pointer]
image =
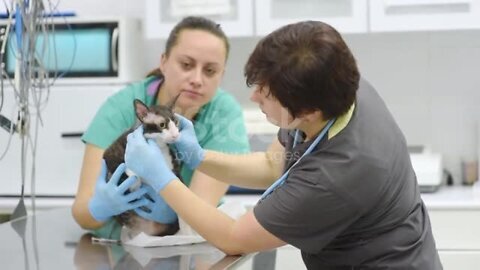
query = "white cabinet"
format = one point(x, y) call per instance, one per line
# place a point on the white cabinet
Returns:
point(456, 229)
point(455, 217)
point(464, 260)
point(347, 16)
point(234, 16)
point(418, 15)
point(66, 115)
point(243, 18)
point(457, 237)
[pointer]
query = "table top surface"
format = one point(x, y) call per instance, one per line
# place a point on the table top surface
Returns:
point(453, 198)
point(445, 198)
point(52, 240)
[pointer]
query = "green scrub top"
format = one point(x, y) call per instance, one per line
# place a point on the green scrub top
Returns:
point(219, 124)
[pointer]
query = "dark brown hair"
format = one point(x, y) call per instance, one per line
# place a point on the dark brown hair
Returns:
point(192, 23)
point(307, 67)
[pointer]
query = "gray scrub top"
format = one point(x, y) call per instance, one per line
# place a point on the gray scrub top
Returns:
point(354, 202)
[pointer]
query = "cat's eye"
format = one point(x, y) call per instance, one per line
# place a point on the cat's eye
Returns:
point(163, 125)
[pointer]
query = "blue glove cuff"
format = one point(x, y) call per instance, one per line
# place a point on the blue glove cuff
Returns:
point(163, 180)
point(96, 210)
point(197, 159)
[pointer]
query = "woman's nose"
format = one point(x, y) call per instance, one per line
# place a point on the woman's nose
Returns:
point(196, 77)
point(255, 97)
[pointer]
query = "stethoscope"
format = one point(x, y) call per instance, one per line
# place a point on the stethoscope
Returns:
point(282, 178)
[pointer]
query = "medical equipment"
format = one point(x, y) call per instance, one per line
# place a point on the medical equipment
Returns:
point(428, 168)
point(86, 50)
point(102, 241)
point(308, 151)
point(6, 124)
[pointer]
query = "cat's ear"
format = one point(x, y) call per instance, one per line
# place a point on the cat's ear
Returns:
point(171, 103)
point(141, 109)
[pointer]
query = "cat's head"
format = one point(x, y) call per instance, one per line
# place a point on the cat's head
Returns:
point(158, 121)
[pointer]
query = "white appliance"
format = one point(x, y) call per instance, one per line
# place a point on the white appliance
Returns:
point(428, 168)
point(86, 50)
point(89, 76)
point(426, 164)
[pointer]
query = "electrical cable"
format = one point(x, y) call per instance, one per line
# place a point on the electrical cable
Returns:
point(29, 42)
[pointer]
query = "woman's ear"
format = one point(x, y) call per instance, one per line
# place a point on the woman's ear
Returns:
point(312, 117)
point(223, 72)
point(163, 60)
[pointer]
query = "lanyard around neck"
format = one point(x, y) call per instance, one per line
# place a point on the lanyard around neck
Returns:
point(308, 151)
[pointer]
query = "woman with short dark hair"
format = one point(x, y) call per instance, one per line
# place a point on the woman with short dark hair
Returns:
point(344, 191)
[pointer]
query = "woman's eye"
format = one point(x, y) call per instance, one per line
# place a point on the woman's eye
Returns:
point(210, 71)
point(186, 65)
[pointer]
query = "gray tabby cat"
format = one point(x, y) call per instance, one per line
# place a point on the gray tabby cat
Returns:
point(159, 123)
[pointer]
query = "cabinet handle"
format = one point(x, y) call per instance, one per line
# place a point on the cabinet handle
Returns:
point(412, 3)
point(71, 134)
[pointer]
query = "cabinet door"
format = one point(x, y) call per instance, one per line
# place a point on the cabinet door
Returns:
point(59, 153)
point(459, 259)
point(456, 229)
point(234, 16)
point(417, 15)
point(347, 16)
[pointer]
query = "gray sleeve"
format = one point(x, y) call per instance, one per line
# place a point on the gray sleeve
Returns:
point(307, 211)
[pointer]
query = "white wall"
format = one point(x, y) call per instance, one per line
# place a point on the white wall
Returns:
point(430, 81)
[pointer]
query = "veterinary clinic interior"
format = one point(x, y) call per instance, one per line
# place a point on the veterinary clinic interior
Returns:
point(61, 60)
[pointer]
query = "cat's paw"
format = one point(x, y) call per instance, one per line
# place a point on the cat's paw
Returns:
point(137, 183)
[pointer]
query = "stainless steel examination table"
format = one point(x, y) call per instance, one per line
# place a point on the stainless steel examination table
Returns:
point(50, 239)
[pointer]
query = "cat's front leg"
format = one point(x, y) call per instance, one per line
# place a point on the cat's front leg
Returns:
point(137, 184)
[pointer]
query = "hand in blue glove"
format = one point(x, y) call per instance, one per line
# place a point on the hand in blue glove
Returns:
point(188, 148)
point(109, 198)
point(146, 160)
point(156, 209)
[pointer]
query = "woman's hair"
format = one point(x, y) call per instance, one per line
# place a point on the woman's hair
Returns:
point(307, 67)
point(193, 23)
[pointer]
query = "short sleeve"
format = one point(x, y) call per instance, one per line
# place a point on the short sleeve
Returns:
point(306, 211)
point(222, 126)
point(115, 116)
point(219, 126)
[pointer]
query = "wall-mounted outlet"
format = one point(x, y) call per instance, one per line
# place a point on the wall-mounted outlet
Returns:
point(6, 124)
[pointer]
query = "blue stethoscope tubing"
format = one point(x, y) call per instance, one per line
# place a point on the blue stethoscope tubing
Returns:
point(282, 178)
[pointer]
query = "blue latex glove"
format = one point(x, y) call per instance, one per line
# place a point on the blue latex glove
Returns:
point(188, 148)
point(156, 209)
point(146, 160)
point(109, 198)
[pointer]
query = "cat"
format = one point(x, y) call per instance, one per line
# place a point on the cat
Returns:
point(159, 123)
